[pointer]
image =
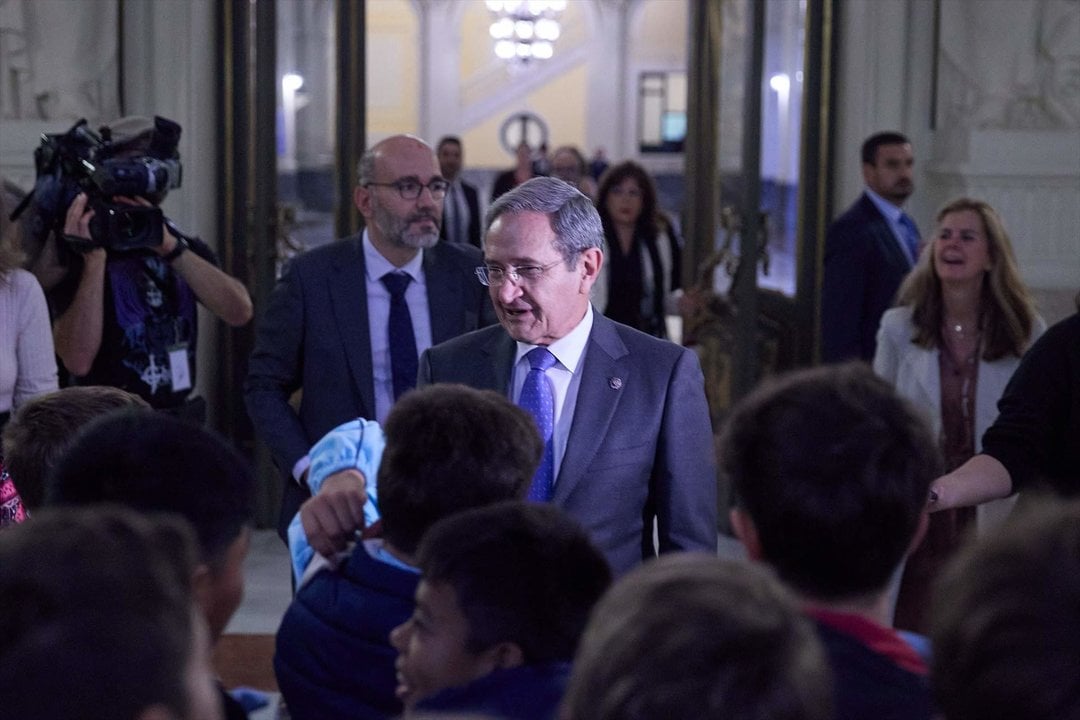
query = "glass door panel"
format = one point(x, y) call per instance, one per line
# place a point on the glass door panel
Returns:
point(306, 124)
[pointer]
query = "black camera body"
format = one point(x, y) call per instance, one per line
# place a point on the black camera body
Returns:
point(80, 160)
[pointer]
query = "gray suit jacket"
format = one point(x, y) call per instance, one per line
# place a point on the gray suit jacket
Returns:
point(314, 336)
point(640, 445)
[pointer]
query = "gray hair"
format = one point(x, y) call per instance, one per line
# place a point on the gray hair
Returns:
point(365, 167)
point(572, 215)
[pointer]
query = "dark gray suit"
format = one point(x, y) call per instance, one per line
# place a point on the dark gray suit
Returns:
point(314, 336)
point(640, 445)
point(864, 266)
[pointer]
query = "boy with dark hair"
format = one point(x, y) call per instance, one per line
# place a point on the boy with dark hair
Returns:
point(98, 621)
point(694, 637)
point(504, 596)
point(448, 448)
point(1007, 622)
point(154, 462)
point(831, 472)
point(42, 429)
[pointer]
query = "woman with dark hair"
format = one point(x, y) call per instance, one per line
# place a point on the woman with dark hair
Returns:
point(27, 361)
point(642, 269)
point(964, 319)
point(522, 171)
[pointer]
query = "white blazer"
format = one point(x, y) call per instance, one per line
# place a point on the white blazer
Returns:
point(914, 372)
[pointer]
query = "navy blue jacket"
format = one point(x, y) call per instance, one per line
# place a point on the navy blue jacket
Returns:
point(529, 692)
point(334, 658)
point(869, 685)
point(864, 266)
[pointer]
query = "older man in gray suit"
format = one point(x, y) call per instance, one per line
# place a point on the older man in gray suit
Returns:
point(623, 414)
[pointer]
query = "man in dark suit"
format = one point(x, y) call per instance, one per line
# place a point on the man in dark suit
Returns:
point(329, 328)
point(868, 251)
point(461, 208)
point(624, 415)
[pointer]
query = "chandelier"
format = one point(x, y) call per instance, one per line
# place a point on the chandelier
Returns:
point(525, 29)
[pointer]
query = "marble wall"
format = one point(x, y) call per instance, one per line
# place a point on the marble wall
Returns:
point(991, 111)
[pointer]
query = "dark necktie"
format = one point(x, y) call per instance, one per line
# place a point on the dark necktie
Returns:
point(403, 364)
point(538, 399)
point(911, 236)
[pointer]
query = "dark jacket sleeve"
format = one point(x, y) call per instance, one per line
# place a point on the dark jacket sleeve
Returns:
point(275, 371)
point(685, 482)
point(842, 292)
point(1037, 431)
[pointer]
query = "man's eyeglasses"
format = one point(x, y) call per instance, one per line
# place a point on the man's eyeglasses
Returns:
point(411, 189)
point(494, 276)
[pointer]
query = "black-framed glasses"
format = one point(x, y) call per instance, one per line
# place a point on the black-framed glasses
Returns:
point(494, 276)
point(410, 189)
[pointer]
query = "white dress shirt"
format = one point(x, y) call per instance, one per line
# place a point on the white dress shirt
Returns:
point(378, 306)
point(456, 213)
point(892, 217)
point(378, 302)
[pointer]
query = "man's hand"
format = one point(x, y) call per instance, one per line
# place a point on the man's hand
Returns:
point(168, 240)
point(77, 331)
point(331, 518)
point(77, 220)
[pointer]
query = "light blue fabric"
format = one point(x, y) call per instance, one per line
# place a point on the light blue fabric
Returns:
point(893, 216)
point(911, 236)
point(920, 644)
point(357, 444)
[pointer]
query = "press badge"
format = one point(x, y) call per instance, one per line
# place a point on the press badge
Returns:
point(179, 368)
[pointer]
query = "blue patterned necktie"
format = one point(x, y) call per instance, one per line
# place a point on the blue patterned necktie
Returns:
point(911, 236)
point(538, 399)
point(403, 362)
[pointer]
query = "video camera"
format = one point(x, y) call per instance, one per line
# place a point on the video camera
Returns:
point(81, 160)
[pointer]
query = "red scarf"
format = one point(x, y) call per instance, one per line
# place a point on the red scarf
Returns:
point(882, 640)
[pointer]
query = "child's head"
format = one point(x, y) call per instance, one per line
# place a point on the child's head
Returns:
point(831, 471)
point(98, 620)
point(42, 429)
point(1006, 631)
point(502, 586)
point(692, 636)
point(153, 462)
point(450, 448)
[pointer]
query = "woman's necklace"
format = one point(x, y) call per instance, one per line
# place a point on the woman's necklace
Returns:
point(962, 351)
point(960, 330)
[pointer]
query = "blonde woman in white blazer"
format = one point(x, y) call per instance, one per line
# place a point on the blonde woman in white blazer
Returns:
point(963, 322)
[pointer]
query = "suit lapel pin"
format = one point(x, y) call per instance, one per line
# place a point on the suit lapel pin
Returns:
point(614, 383)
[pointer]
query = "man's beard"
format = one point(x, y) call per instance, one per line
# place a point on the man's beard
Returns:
point(396, 230)
point(900, 191)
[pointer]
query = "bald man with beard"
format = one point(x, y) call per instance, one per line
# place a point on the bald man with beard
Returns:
point(329, 326)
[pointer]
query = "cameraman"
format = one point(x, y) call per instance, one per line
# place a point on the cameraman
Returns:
point(128, 319)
